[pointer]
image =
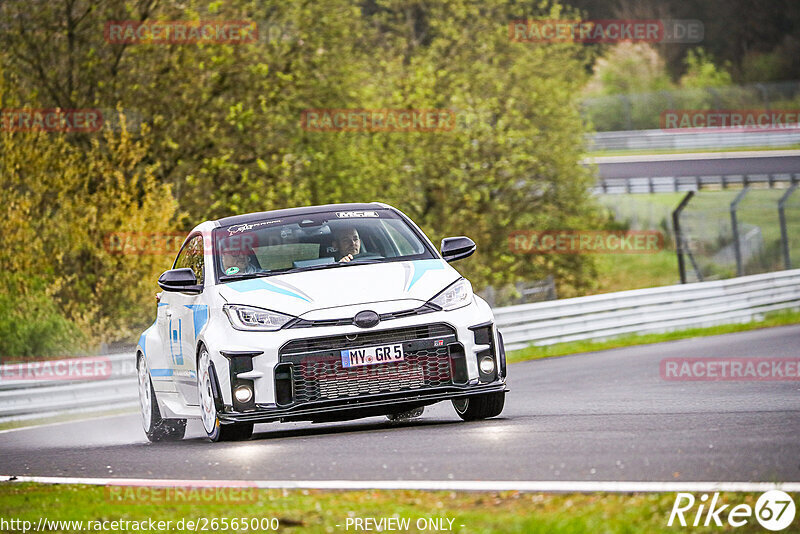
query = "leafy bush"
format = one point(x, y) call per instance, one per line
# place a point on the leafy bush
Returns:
point(31, 324)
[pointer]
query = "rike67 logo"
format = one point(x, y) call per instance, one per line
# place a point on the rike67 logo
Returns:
point(774, 510)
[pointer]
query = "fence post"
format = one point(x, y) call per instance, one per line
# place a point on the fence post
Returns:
point(764, 94)
point(787, 260)
point(735, 229)
point(676, 225)
point(628, 113)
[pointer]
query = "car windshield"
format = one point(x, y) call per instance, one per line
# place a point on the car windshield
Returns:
point(315, 241)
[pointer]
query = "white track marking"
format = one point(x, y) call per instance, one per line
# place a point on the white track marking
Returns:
point(71, 421)
point(432, 485)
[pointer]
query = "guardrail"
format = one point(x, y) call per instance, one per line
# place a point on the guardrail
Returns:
point(22, 399)
point(675, 184)
point(651, 310)
point(642, 311)
point(692, 139)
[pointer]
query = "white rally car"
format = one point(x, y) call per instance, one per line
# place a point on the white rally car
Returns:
point(323, 313)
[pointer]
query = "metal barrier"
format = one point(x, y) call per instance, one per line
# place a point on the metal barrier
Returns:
point(641, 311)
point(676, 184)
point(33, 399)
point(692, 139)
point(596, 317)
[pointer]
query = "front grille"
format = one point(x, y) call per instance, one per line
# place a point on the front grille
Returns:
point(321, 376)
point(367, 338)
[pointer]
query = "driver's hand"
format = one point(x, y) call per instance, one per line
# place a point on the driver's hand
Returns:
point(346, 258)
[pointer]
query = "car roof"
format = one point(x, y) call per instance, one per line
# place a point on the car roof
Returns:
point(290, 212)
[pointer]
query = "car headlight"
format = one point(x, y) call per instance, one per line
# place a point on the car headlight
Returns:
point(251, 318)
point(457, 295)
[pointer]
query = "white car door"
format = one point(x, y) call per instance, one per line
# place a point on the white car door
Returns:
point(186, 316)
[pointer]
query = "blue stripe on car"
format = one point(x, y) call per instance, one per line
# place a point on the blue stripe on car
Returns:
point(421, 267)
point(258, 284)
point(200, 313)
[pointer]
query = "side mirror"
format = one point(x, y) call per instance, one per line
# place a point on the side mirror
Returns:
point(457, 248)
point(182, 280)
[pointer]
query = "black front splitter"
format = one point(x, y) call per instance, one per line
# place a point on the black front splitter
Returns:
point(367, 403)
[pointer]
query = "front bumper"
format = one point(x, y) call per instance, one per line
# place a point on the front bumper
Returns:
point(362, 406)
point(259, 360)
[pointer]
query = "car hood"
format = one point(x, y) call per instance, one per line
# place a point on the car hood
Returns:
point(391, 286)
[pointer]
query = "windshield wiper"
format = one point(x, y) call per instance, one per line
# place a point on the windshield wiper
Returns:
point(232, 277)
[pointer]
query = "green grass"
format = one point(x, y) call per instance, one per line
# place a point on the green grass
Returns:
point(576, 347)
point(316, 511)
point(620, 272)
point(707, 221)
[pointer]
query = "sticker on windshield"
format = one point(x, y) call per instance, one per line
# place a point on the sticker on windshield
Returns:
point(231, 270)
point(239, 228)
point(355, 214)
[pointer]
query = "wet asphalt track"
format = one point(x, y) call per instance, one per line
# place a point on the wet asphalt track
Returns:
point(604, 416)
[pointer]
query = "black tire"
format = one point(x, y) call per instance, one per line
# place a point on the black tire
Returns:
point(480, 406)
point(156, 428)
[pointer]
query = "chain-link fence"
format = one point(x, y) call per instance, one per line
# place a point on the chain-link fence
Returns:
point(725, 234)
point(520, 293)
point(642, 111)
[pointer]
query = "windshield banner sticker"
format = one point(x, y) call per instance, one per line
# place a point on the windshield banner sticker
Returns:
point(356, 214)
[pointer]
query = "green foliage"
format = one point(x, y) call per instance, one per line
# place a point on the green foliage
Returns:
point(625, 69)
point(224, 134)
point(629, 68)
point(702, 72)
point(31, 323)
point(758, 39)
point(630, 88)
point(760, 67)
point(61, 202)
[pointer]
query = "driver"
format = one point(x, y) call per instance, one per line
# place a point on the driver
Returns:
point(236, 259)
point(347, 243)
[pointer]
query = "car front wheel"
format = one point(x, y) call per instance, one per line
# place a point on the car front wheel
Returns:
point(480, 406)
point(207, 385)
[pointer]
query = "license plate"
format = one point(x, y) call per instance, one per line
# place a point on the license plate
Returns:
point(372, 355)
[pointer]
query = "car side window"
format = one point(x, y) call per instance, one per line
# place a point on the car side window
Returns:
point(404, 246)
point(191, 256)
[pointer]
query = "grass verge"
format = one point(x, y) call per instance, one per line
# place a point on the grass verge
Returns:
point(575, 347)
point(328, 511)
